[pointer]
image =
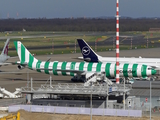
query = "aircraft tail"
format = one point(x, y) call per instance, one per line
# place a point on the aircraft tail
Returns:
point(5, 48)
point(24, 55)
point(87, 52)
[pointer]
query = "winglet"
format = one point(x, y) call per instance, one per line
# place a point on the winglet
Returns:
point(87, 52)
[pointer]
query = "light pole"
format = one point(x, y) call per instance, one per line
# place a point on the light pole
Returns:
point(124, 95)
point(91, 103)
point(150, 97)
point(131, 42)
point(53, 46)
point(75, 47)
point(147, 41)
point(96, 45)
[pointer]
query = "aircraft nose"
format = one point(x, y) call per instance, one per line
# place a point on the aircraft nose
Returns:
point(153, 71)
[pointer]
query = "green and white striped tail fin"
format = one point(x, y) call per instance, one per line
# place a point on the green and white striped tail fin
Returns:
point(24, 55)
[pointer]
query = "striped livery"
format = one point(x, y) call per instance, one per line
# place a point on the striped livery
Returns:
point(73, 68)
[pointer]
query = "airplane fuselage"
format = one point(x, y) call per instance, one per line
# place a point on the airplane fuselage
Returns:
point(147, 61)
point(126, 69)
point(3, 58)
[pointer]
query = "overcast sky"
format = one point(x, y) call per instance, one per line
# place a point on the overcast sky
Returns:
point(78, 8)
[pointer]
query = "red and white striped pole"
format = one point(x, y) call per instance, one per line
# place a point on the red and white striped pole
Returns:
point(117, 43)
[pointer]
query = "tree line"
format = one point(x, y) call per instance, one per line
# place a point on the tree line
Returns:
point(78, 24)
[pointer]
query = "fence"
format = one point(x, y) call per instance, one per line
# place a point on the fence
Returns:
point(76, 110)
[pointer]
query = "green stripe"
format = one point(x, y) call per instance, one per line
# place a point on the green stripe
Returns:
point(115, 70)
point(98, 68)
point(38, 66)
point(81, 65)
point(46, 66)
point(107, 69)
point(89, 68)
point(63, 67)
point(72, 67)
point(22, 54)
point(134, 70)
point(31, 58)
point(55, 68)
point(144, 70)
point(125, 70)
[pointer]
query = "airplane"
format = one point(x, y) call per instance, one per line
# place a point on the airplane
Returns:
point(80, 70)
point(90, 56)
point(4, 55)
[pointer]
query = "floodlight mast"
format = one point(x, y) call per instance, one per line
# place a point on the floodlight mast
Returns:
point(117, 42)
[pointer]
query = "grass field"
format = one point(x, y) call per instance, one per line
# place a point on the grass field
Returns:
point(66, 38)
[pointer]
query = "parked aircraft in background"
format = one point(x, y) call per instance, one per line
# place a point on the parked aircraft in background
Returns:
point(90, 56)
point(82, 71)
point(4, 55)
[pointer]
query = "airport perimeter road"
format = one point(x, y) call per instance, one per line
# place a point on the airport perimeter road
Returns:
point(10, 81)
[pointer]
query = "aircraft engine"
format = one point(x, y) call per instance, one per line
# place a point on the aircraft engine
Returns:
point(20, 67)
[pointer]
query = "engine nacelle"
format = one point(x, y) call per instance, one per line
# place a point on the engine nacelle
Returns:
point(20, 67)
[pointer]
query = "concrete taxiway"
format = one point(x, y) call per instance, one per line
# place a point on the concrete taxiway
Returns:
point(10, 81)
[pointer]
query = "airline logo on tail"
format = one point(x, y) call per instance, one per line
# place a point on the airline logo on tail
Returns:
point(5, 49)
point(88, 54)
point(85, 50)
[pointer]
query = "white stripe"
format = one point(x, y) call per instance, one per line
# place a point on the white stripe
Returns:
point(117, 42)
point(112, 70)
point(139, 70)
point(117, 59)
point(76, 67)
point(117, 34)
point(117, 67)
point(117, 82)
point(42, 66)
point(85, 66)
point(94, 67)
point(26, 56)
point(117, 9)
point(68, 67)
point(59, 67)
point(34, 64)
point(50, 67)
point(103, 67)
point(117, 75)
point(130, 70)
point(148, 71)
point(19, 49)
point(117, 50)
point(117, 25)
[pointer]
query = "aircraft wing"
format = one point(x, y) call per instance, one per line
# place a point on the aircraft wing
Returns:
point(13, 72)
point(73, 71)
point(78, 58)
point(4, 64)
